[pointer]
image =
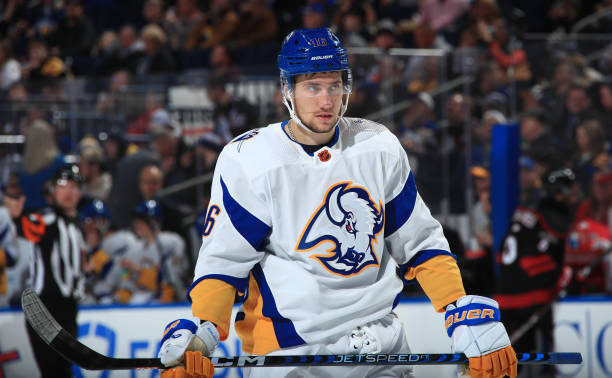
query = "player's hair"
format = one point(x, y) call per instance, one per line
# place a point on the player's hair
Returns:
point(310, 51)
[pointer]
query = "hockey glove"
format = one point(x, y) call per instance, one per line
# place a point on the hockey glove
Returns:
point(196, 366)
point(475, 329)
point(183, 335)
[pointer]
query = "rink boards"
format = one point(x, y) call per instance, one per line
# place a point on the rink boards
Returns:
point(581, 325)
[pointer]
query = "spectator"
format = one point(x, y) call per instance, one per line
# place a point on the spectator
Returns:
point(117, 99)
point(538, 143)
point(481, 143)
point(153, 12)
point(598, 201)
point(217, 26)
point(385, 37)
point(157, 57)
point(417, 128)
point(590, 235)
point(129, 51)
point(40, 64)
point(423, 72)
point(232, 116)
point(351, 28)
point(441, 14)
point(44, 18)
point(563, 14)
point(181, 22)
point(75, 33)
point(222, 63)
point(10, 71)
point(478, 259)
point(578, 108)
point(41, 158)
point(553, 95)
point(492, 82)
point(17, 109)
point(314, 16)
point(450, 134)
point(506, 52)
point(105, 48)
point(365, 7)
point(257, 24)
point(150, 182)
point(114, 146)
point(165, 135)
point(141, 125)
point(604, 105)
point(97, 182)
point(125, 194)
point(591, 155)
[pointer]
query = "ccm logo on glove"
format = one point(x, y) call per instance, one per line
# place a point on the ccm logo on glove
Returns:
point(471, 314)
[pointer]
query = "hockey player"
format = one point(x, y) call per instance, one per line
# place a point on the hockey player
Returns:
point(58, 276)
point(8, 249)
point(18, 250)
point(158, 265)
point(309, 223)
point(532, 258)
point(105, 247)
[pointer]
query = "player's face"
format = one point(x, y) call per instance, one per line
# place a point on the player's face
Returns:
point(142, 229)
point(66, 195)
point(318, 100)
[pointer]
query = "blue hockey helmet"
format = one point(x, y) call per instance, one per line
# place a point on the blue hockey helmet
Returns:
point(148, 210)
point(96, 209)
point(96, 213)
point(307, 51)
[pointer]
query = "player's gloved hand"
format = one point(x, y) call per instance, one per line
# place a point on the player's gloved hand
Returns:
point(195, 366)
point(183, 335)
point(475, 330)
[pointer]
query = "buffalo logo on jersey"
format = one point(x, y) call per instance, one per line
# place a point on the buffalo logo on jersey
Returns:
point(351, 221)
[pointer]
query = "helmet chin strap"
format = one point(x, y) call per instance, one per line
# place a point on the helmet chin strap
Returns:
point(288, 101)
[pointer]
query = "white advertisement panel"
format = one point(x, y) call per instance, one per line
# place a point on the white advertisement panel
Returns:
point(580, 326)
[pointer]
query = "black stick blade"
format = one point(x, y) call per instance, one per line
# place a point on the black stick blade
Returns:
point(43, 323)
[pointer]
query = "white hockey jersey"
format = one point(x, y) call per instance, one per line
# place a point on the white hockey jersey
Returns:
point(312, 242)
point(108, 275)
point(167, 255)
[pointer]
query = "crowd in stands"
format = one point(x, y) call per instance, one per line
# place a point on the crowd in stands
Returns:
point(553, 87)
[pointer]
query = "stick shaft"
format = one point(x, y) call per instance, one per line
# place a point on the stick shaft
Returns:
point(73, 350)
point(383, 359)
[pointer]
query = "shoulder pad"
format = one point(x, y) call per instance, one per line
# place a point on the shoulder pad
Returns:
point(33, 226)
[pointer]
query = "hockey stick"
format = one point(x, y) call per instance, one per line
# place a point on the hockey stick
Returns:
point(580, 275)
point(70, 348)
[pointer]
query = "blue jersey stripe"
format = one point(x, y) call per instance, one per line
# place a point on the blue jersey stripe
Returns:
point(286, 335)
point(249, 226)
point(241, 284)
point(427, 254)
point(420, 258)
point(399, 209)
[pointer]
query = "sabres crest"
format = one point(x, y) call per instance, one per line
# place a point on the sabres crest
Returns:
point(349, 219)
